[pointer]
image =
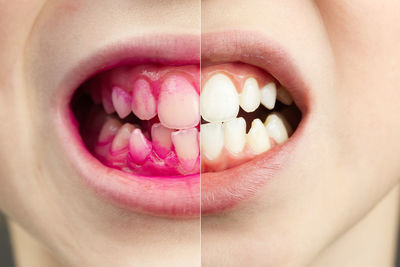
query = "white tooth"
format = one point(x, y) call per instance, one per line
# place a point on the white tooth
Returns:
point(268, 95)
point(186, 147)
point(219, 99)
point(235, 135)
point(258, 138)
point(284, 96)
point(276, 126)
point(212, 139)
point(250, 96)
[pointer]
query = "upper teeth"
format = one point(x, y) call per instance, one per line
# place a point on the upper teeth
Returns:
point(219, 99)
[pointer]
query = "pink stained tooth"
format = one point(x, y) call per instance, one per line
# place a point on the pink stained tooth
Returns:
point(143, 101)
point(139, 146)
point(186, 147)
point(121, 101)
point(121, 140)
point(178, 103)
point(108, 131)
point(106, 99)
point(161, 137)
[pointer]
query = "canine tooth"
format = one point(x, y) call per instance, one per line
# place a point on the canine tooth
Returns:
point(219, 99)
point(284, 96)
point(178, 104)
point(139, 146)
point(121, 139)
point(186, 147)
point(109, 130)
point(106, 99)
point(143, 101)
point(211, 139)
point(276, 127)
point(161, 137)
point(268, 95)
point(121, 101)
point(258, 138)
point(235, 135)
point(250, 96)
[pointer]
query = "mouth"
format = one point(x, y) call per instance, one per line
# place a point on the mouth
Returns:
point(140, 122)
point(265, 110)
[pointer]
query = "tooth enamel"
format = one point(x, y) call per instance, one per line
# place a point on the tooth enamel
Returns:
point(107, 101)
point(258, 138)
point(161, 137)
point(178, 104)
point(219, 99)
point(186, 147)
point(139, 146)
point(235, 135)
point(109, 130)
point(211, 139)
point(275, 125)
point(121, 101)
point(250, 96)
point(284, 96)
point(121, 139)
point(268, 95)
point(143, 101)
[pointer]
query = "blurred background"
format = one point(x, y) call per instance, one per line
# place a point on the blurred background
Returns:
point(6, 259)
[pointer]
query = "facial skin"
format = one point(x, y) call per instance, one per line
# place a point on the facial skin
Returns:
point(344, 165)
point(347, 53)
point(40, 190)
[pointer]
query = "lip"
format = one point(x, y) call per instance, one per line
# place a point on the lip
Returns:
point(221, 191)
point(160, 196)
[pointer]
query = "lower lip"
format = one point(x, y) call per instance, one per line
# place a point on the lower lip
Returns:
point(160, 196)
point(221, 191)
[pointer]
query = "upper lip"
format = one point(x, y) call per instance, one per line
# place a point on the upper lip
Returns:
point(166, 196)
point(223, 190)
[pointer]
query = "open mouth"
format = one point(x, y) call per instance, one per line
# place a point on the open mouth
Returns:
point(142, 119)
point(143, 129)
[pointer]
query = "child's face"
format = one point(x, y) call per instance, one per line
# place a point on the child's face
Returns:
point(340, 163)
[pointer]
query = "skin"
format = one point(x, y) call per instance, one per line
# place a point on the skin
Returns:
point(333, 196)
point(40, 191)
point(347, 160)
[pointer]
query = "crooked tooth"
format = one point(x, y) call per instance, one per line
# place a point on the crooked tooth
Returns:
point(268, 95)
point(178, 104)
point(139, 146)
point(258, 138)
point(250, 95)
point(219, 99)
point(121, 140)
point(235, 135)
point(108, 131)
point(284, 96)
point(106, 99)
point(277, 127)
point(186, 147)
point(211, 139)
point(161, 137)
point(121, 101)
point(143, 101)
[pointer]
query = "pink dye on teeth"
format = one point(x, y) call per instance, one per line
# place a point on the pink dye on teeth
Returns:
point(121, 140)
point(121, 101)
point(106, 99)
point(139, 147)
point(161, 137)
point(178, 103)
point(143, 101)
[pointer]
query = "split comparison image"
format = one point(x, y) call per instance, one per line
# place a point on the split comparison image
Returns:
point(215, 133)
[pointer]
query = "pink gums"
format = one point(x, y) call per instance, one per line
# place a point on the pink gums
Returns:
point(156, 94)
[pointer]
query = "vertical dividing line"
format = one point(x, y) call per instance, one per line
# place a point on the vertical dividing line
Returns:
point(200, 176)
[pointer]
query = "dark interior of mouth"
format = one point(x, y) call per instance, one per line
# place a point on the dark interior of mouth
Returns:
point(144, 119)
